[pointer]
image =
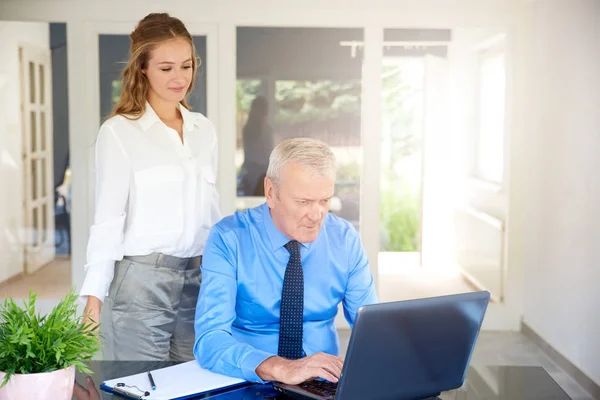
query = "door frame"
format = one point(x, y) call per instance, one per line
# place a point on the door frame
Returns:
point(37, 253)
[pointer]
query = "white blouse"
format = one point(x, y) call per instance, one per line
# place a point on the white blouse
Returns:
point(153, 193)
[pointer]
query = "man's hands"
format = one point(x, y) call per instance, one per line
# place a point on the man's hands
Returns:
point(293, 372)
point(81, 393)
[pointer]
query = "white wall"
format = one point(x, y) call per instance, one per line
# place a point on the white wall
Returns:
point(560, 244)
point(12, 34)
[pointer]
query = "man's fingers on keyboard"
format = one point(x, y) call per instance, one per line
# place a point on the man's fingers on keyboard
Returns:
point(336, 359)
point(334, 369)
point(340, 363)
point(323, 373)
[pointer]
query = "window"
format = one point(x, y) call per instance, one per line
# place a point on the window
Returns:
point(314, 91)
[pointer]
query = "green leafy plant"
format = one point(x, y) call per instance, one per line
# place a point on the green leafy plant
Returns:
point(30, 343)
point(400, 216)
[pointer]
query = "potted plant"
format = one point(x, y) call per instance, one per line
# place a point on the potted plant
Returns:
point(39, 354)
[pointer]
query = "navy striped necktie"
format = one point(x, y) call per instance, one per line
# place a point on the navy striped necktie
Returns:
point(292, 306)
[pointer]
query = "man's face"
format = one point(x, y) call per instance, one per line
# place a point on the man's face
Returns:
point(299, 202)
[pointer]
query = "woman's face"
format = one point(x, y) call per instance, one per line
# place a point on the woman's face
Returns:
point(170, 69)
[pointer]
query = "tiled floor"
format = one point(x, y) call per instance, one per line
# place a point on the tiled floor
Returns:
point(509, 348)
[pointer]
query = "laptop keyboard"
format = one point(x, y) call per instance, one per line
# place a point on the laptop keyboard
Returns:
point(321, 388)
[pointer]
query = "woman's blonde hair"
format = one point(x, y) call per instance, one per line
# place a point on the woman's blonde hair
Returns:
point(149, 32)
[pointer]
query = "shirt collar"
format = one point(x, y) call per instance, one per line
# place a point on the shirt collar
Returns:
point(188, 119)
point(150, 117)
point(276, 237)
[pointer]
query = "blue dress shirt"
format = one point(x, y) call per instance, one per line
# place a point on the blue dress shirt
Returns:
point(243, 265)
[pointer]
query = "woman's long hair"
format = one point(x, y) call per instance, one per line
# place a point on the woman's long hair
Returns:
point(152, 30)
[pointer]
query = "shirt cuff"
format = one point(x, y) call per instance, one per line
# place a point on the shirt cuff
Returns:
point(97, 280)
point(251, 362)
point(106, 241)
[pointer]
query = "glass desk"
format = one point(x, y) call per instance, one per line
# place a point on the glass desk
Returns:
point(483, 382)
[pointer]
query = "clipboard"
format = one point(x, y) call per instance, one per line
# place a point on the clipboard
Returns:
point(177, 382)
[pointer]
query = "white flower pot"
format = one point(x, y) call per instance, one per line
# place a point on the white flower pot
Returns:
point(55, 385)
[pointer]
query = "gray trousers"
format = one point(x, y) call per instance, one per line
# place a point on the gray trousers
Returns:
point(150, 308)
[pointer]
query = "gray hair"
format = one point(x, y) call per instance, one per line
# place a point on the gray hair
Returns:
point(312, 154)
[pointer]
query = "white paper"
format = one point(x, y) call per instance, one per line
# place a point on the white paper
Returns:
point(177, 381)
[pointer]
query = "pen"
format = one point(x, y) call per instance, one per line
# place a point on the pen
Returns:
point(127, 393)
point(151, 381)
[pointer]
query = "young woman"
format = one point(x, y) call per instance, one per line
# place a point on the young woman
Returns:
point(156, 201)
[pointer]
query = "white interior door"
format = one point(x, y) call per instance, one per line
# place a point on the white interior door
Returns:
point(36, 115)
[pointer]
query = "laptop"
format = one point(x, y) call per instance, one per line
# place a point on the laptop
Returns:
point(412, 349)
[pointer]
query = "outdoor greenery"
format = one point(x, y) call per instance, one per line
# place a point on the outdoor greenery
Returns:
point(30, 343)
point(401, 103)
point(399, 214)
point(246, 91)
point(400, 200)
point(304, 101)
point(117, 86)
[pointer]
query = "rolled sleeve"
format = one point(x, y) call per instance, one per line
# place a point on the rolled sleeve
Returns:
point(97, 280)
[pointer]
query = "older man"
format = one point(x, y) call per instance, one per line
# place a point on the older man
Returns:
point(273, 276)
